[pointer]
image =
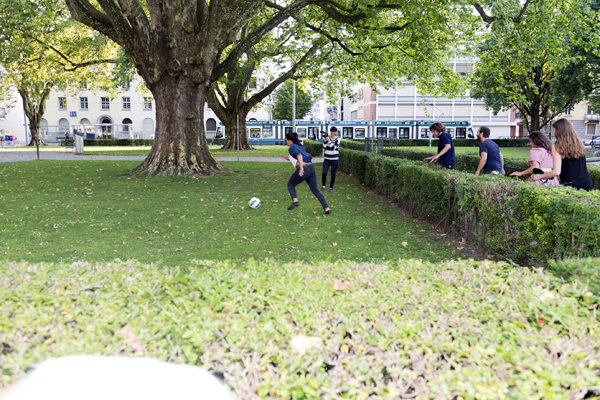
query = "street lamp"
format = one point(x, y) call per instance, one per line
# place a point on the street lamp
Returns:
point(37, 138)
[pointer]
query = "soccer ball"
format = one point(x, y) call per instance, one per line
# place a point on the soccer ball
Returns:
point(254, 202)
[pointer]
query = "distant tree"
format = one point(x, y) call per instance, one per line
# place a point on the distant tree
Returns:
point(42, 49)
point(282, 109)
point(529, 62)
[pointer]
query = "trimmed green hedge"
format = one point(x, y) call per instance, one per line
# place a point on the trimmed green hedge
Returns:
point(132, 142)
point(313, 148)
point(516, 220)
point(466, 162)
point(425, 142)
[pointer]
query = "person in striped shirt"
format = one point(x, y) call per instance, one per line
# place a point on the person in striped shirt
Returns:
point(331, 146)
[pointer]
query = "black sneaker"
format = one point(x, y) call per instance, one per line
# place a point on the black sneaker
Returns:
point(294, 205)
point(331, 189)
point(327, 212)
point(322, 190)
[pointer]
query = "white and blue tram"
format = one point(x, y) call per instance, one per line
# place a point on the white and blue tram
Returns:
point(273, 132)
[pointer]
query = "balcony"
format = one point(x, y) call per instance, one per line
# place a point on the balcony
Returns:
point(592, 118)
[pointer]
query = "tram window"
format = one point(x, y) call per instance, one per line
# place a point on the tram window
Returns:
point(450, 132)
point(313, 133)
point(359, 133)
point(301, 132)
point(347, 133)
point(267, 131)
point(461, 133)
point(404, 132)
point(254, 133)
point(381, 132)
point(288, 129)
point(393, 133)
point(424, 133)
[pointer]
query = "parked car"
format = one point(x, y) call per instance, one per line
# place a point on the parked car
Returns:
point(504, 137)
point(595, 143)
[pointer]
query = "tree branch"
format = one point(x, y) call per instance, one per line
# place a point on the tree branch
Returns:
point(73, 63)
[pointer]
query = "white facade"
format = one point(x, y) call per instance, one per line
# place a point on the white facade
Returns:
point(129, 115)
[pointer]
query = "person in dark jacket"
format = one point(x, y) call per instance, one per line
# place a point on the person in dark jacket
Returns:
point(305, 171)
point(445, 156)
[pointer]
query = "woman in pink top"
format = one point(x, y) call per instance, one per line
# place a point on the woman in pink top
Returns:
point(540, 156)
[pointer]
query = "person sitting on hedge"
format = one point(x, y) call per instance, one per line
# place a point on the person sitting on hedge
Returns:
point(540, 156)
point(445, 155)
point(568, 154)
point(492, 161)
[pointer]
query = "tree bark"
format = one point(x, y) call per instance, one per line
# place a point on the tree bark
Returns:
point(35, 115)
point(231, 127)
point(180, 146)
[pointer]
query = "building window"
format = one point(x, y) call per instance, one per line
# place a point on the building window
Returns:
point(125, 86)
point(62, 103)
point(105, 103)
point(126, 103)
point(518, 115)
point(590, 110)
point(83, 103)
point(83, 85)
point(568, 112)
point(147, 103)
point(590, 129)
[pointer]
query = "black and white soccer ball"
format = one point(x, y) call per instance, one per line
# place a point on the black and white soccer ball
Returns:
point(254, 202)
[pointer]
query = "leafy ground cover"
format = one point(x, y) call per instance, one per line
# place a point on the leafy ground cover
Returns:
point(56, 211)
point(409, 329)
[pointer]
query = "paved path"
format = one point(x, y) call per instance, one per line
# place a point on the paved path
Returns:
point(12, 155)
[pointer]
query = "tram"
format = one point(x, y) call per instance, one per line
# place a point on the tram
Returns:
point(273, 132)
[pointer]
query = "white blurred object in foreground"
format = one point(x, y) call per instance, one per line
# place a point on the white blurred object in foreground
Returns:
point(116, 378)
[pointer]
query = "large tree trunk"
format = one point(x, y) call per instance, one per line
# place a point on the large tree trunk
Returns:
point(36, 135)
point(231, 140)
point(180, 146)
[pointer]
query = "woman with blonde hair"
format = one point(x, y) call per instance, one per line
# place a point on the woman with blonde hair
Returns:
point(540, 156)
point(568, 154)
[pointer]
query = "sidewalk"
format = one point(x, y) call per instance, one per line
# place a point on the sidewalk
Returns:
point(14, 155)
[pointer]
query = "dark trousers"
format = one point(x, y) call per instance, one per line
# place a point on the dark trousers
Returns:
point(310, 176)
point(334, 166)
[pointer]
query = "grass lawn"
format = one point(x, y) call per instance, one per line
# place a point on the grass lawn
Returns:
point(228, 288)
point(69, 211)
point(259, 151)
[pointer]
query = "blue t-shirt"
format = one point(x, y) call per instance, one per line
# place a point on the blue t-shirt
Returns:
point(448, 158)
point(493, 162)
point(295, 149)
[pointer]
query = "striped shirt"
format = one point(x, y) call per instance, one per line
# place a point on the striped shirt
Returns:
point(332, 149)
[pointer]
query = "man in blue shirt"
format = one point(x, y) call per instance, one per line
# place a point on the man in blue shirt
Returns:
point(491, 161)
point(445, 155)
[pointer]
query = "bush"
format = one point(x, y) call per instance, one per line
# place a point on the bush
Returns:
point(117, 142)
point(313, 148)
point(584, 270)
point(425, 142)
point(517, 220)
point(216, 142)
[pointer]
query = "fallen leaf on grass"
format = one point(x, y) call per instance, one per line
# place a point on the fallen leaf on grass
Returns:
point(404, 244)
point(416, 290)
point(130, 338)
point(334, 244)
point(339, 285)
point(302, 343)
point(368, 283)
point(463, 241)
